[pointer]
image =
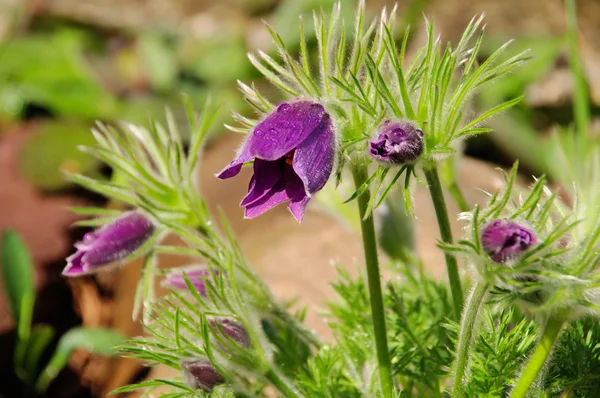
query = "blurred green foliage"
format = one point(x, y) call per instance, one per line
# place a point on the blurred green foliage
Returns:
point(32, 341)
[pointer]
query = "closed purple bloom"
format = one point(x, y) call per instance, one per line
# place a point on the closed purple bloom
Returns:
point(198, 275)
point(397, 142)
point(199, 374)
point(504, 240)
point(232, 329)
point(112, 242)
point(293, 151)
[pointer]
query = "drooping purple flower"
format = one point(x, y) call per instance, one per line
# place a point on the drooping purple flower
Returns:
point(112, 242)
point(199, 374)
point(505, 240)
point(293, 150)
point(232, 329)
point(198, 275)
point(396, 142)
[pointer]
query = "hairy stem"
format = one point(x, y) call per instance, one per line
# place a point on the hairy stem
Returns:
point(538, 359)
point(465, 335)
point(375, 296)
point(282, 384)
point(441, 212)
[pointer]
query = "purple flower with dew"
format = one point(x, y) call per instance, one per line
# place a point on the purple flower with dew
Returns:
point(396, 142)
point(293, 151)
point(112, 242)
point(199, 374)
point(198, 275)
point(505, 240)
point(232, 329)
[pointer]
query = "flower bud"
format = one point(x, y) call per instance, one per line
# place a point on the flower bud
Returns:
point(199, 374)
point(197, 275)
point(396, 142)
point(232, 329)
point(112, 242)
point(505, 240)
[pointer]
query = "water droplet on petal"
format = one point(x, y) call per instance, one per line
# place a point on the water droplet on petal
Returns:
point(284, 107)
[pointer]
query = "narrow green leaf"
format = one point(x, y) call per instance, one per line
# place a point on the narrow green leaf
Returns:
point(17, 273)
point(97, 341)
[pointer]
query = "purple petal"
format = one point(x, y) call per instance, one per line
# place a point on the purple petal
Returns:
point(397, 142)
point(266, 175)
point(505, 240)
point(278, 134)
point(75, 265)
point(235, 166)
point(198, 276)
point(289, 187)
point(232, 329)
point(313, 159)
point(118, 239)
point(200, 374)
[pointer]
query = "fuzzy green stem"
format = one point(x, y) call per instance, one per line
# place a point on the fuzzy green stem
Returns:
point(538, 359)
point(465, 336)
point(282, 384)
point(375, 296)
point(441, 212)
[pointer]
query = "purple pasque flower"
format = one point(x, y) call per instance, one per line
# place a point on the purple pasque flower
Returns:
point(199, 374)
point(505, 240)
point(198, 275)
point(396, 142)
point(112, 242)
point(293, 150)
point(232, 329)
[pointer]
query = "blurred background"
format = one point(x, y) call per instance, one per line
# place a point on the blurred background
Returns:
point(67, 63)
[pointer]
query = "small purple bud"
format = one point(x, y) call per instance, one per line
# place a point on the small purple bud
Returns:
point(232, 329)
point(396, 142)
point(199, 374)
point(293, 150)
point(504, 240)
point(112, 242)
point(198, 275)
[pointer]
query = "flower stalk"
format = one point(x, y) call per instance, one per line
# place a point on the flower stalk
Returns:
point(538, 359)
point(441, 212)
point(465, 336)
point(360, 175)
point(282, 384)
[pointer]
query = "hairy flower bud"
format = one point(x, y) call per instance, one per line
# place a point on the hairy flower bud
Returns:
point(232, 329)
point(200, 374)
point(293, 150)
point(396, 142)
point(504, 240)
point(198, 275)
point(112, 242)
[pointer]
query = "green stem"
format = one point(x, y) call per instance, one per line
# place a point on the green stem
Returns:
point(538, 359)
point(466, 335)
point(375, 296)
point(441, 212)
point(282, 384)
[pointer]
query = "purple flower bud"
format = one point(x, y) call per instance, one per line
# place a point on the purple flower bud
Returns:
point(200, 374)
point(504, 240)
point(397, 142)
point(232, 329)
point(293, 150)
point(198, 275)
point(112, 242)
